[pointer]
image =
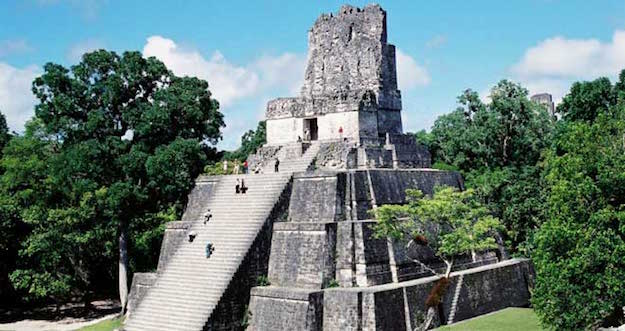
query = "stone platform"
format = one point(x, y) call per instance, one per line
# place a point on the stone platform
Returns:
point(395, 306)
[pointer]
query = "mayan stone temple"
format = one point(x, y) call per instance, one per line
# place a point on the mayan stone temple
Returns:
point(296, 252)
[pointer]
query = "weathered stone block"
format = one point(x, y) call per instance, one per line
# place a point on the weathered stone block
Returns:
point(141, 283)
point(198, 198)
point(317, 197)
point(275, 308)
point(302, 254)
point(175, 233)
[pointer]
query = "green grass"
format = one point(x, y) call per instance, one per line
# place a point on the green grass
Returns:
point(510, 319)
point(107, 325)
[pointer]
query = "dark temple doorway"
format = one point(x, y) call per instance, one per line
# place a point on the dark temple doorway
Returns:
point(310, 124)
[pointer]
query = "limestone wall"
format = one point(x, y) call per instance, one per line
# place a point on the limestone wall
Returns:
point(284, 130)
point(392, 307)
point(302, 254)
point(349, 51)
point(310, 250)
point(329, 125)
point(389, 121)
point(286, 309)
point(389, 186)
point(318, 197)
point(401, 306)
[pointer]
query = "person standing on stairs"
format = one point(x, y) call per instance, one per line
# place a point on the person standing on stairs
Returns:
point(245, 167)
point(276, 166)
point(237, 187)
point(207, 216)
point(236, 167)
point(243, 189)
point(209, 249)
point(225, 167)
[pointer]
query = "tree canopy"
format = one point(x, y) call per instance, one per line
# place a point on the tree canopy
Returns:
point(497, 146)
point(114, 147)
point(451, 222)
point(579, 247)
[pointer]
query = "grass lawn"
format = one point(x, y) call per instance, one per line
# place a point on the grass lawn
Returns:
point(509, 319)
point(107, 325)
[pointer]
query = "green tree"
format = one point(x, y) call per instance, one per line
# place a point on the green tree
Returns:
point(579, 249)
point(586, 100)
point(10, 229)
point(250, 142)
point(497, 147)
point(23, 194)
point(127, 138)
point(5, 136)
point(449, 222)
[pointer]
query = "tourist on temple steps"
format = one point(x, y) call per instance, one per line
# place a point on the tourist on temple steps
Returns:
point(243, 188)
point(245, 166)
point(276, 165)
point(226, 167)
point(207, 216)
point(237, 187)
point(209, 249)
point(237, 166)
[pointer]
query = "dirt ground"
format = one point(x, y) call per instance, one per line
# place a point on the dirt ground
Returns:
point(70, 317)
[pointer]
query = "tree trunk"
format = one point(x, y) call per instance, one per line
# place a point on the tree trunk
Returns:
point(449, 265)
point(123, 268)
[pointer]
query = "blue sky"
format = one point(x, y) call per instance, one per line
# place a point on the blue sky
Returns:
point(253, 51)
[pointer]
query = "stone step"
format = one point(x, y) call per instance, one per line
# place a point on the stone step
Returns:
point(176, 292)
point(178, 314)
point(200, 257)
point(235, 223)
point(199, 299)
point(166, 323)
point(177, 270)
point(207, 275)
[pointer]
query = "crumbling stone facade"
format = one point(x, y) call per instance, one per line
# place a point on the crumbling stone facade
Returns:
point(350, 85)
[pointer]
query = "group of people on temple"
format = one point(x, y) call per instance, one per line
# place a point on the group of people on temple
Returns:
point(237, 168)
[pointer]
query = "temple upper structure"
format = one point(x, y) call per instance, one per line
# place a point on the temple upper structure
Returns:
point(350, 84)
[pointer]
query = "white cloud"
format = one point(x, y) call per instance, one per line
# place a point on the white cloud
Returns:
point(286, 70)
point(227, 81)
point(8, 47)
point(16, 98)
point(75, 53)
point(232, 85)
point(553, 64)
point(409, 73)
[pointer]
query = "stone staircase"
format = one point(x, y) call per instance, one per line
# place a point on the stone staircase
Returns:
point(190, 286)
